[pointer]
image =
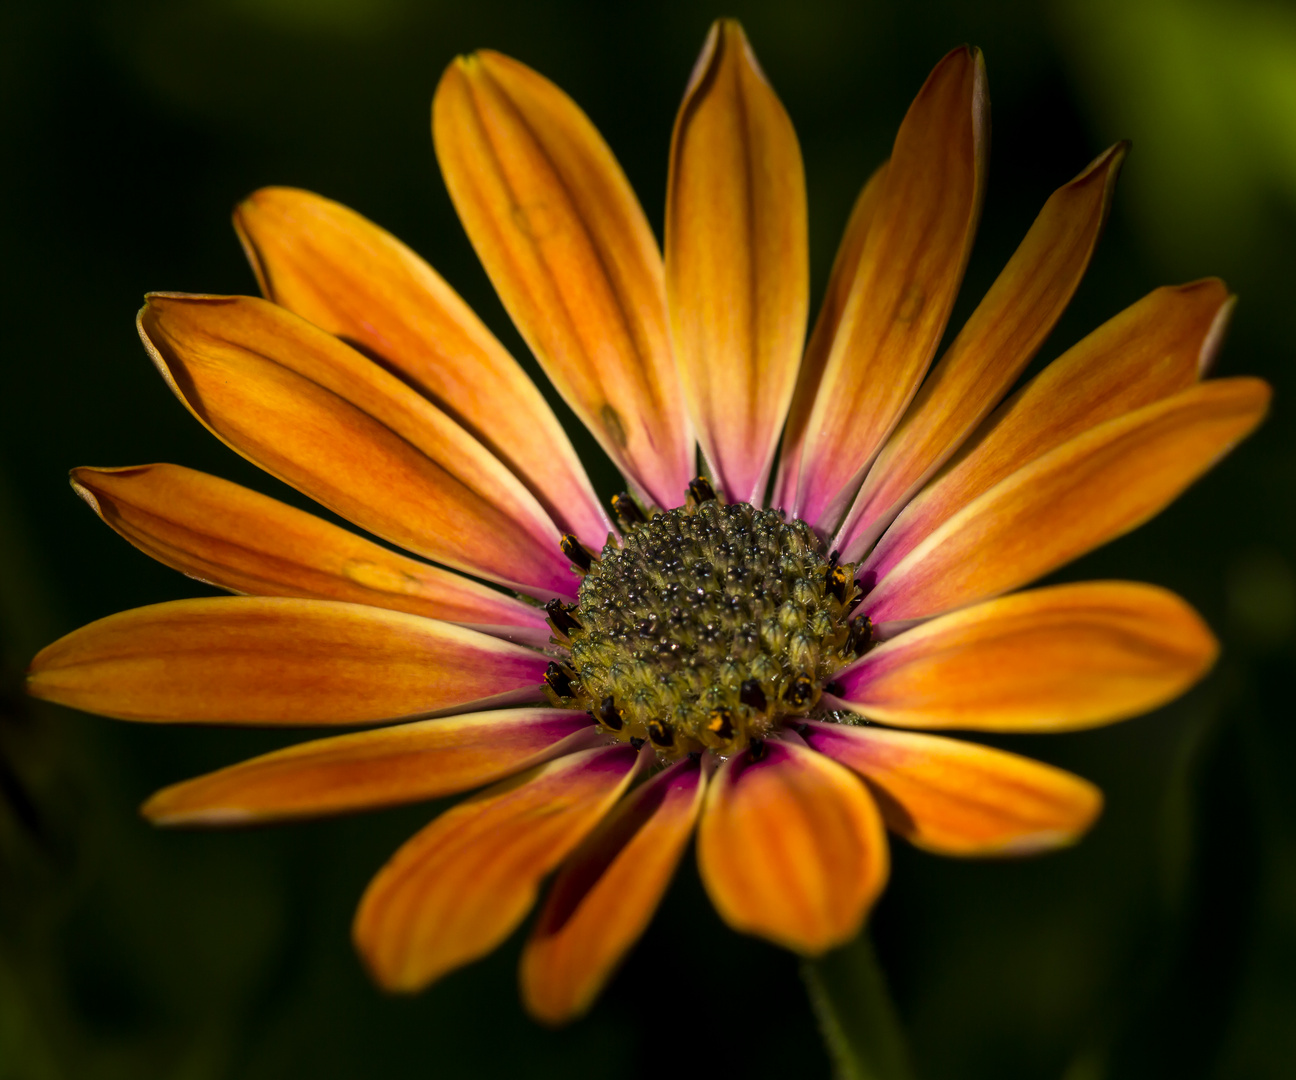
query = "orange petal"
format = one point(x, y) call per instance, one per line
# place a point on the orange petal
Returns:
point(737, 260)
point(340, 271)
point(1053, 659)
point(956, 798)
point(604, 897)
point(792, 848)
point(235, 538)
point(268, 660)
point(842, 276)
point(459, 887)
point(1092, 489)
point(991, 350)
point(366, 769)
point(1152, 349)
point(904, 286)
point(315, 413)
point(569, 250)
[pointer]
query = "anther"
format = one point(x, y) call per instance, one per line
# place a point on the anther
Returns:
point(750, 693)
point(581, 557)
point(720, 723)
point(662, 734)
point(627, 511)
point(757, 749)
point(609, 715)
point(835, 688)
point(833, 558)
point(837, 581)
point(799, 692)
point(561, 617)
point(558, 680)
point(700, 490)
point(637, 742)
point(861, 634)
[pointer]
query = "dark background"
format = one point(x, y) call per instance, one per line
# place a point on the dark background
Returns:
point(1164, 945)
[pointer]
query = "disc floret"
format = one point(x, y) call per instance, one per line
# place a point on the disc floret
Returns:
point(711, 626)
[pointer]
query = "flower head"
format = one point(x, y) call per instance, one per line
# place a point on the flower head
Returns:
point(750, 654)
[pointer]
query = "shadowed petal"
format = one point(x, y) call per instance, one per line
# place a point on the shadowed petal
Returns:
point(568, 248)
point(366, 769)
point(1053, 659)
point(737, 261)
point(269, 660)
point(340, 271)
point(993, 348)
point(1086, 492)
point(604, 897)
point(904, 286)
point(319, 416)
point(791, 848)
point(240, 540)
point(1152, 349)
point(957, 798)
point(459, 887)
point(811, 371)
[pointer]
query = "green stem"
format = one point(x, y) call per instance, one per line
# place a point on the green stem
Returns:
point(859, 1024)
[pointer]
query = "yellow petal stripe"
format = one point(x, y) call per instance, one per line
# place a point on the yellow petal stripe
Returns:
point(235, 538)
point(318, 415)
point(1053, 659)
point(459, 887)
point(904, 286)
point(737, 261)
point(1086, 492)
point(342, 272)
point(791, 848)
point(1154, 348)
point(956, 798)
point(267, 660)
point(604, 897)
point(569, 250)
point(362, 770)
point(991, 350)
point(811, 371)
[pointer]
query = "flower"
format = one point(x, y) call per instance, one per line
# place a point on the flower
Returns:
point(755, 673)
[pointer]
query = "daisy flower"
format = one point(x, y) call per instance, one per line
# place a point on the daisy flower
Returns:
point(755, 655)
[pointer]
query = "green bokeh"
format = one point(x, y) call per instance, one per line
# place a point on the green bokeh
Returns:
point(1164, 945)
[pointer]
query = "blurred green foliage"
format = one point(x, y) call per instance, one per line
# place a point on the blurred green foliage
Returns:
point(1164, 945)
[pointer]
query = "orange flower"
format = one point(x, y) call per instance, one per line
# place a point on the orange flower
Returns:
point(711, 664)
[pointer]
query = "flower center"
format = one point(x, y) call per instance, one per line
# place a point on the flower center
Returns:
point(712, 626)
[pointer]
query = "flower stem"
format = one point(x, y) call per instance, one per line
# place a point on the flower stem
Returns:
point(856, 1016)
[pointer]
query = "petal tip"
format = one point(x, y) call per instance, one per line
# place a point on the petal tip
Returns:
point(77, 480)
point(1214, 339)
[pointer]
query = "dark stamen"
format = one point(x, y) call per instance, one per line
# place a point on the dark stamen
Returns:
point(832, 558)
point(861, 634)
point(836, 581)
point(799, 692)
point(856, 600)
point(757, 749)
point(835, 688)
point(662, 734)
point(627, 511)
point(637, 742)
point(558, 680)
point(750, 693)
point(580, 556)
point(700, 490)
point(720, 723)
point(609, 715)
point(561, 617)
